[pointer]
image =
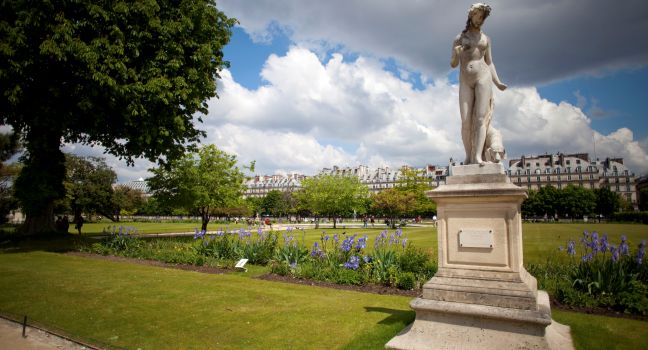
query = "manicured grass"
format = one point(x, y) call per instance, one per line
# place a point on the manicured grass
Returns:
point(601, 332)
point(134, 306)
point(131, 306)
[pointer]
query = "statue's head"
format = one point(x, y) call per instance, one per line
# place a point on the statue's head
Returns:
point(476, 9)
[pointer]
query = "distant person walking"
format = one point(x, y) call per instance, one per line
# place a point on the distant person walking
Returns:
point(78, 224)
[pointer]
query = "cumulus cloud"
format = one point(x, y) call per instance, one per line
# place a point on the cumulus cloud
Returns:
point(350, 113)
point(533, 41)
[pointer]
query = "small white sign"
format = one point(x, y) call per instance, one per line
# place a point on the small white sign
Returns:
point(241, 264)
point(475, 238)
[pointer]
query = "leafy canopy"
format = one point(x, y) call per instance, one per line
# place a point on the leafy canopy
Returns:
point(88, 186)
point(200, 182)
point(333, 196)
point(127, 75)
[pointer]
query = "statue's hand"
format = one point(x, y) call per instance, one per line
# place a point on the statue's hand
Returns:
point(501, 86)
point(458, 49)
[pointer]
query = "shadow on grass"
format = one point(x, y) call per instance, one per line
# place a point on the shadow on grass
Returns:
point(376, 337)
point(394, 316)
point(54, 242)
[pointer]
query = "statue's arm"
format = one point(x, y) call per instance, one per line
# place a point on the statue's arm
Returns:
point(456, 52)
point(488, 58)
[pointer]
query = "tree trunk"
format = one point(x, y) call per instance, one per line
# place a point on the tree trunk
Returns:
point(40, 182)
point(334, 222)
point(205, 220)
point(37, 223)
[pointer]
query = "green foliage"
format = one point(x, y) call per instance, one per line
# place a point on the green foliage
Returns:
point(128, 77)
point(393, 203)
point(605, 275)
point(127, 201)
point(643, 199)
point(407, 281)
point(275, 203)
point(200, 182)
point(571, 201)
point(333, 196)
point(8, 147)
point(258, 248)
point(607, 202)
point(88, 186)
point(640, 217)
point(291, 252)
point(119, 239)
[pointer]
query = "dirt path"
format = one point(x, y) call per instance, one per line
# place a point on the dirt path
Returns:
point(11, 339)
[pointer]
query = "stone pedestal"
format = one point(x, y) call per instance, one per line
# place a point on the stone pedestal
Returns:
point(481, 296)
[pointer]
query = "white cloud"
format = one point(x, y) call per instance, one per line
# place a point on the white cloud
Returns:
point(314, 114)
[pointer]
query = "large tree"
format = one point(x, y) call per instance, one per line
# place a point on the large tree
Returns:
point(415, 184)
point(202, 182)
point(127, 201)
point(607, 202)
point(333, 196)
point(129, 76)
point(393, 203)
point(576, 202)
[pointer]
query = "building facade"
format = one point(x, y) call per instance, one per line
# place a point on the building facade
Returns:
point(560, 170)
point(140, 185)
point(376, 179)
point(260, 185)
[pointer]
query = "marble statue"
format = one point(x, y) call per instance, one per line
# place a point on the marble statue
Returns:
point(471, 50)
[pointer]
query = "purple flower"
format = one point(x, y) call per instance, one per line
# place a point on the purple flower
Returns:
point(347, 244)
point(353, 263)
point(198, 234)
point(362, 242)
point(366, 258)
point(623, 248)
point(571, 248)
point(594, 243)
point(615, 253)
point(316, 252)
point(586, 258)
point(404, 242)
point(641, 252)
point(604, 244)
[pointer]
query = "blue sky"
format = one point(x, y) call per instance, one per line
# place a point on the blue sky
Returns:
point(314, 84)
point(613, 99)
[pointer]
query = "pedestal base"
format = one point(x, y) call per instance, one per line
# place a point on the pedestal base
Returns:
point(451, 325)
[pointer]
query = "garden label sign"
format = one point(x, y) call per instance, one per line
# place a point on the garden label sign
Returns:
point(241, 264)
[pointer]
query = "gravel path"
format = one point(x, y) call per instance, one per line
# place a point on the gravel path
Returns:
point(11, 339)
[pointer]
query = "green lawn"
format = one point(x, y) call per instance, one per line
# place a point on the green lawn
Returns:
point(132, 306)
point(117, 304)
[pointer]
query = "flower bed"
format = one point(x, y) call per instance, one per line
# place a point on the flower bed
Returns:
point(342, 259)
point(599, 275)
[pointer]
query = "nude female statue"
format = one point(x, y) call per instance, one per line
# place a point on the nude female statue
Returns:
point(472, 49)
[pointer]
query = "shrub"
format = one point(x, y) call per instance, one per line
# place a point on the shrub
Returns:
point(629, 216)
point(407, 281)
point(120, 239)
